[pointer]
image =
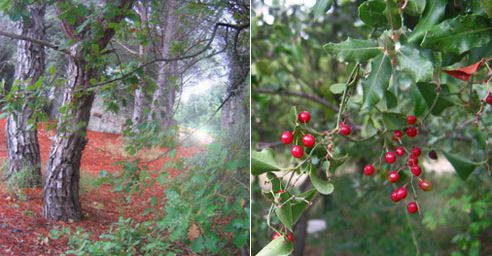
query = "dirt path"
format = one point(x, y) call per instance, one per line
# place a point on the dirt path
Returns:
point(24, 231)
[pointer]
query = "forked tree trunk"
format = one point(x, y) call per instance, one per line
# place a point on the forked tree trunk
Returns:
point(61, 189)
point(22, 139)
point(164, 96)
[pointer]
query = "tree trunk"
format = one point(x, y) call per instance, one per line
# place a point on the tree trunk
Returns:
point(22, 139)
point(61, 189)
point(164, 97)
point(140, 99)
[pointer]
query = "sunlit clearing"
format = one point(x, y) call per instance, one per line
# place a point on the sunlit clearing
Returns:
point(202, 136)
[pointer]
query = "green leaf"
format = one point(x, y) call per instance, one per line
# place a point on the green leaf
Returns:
point(263, 161)
point(393, 14)
point(461, 165)
point(293, 115)
point(459, 35)
point(415, 7)
point(394, 121)
point(374, 86)
point(434, 12)
point(487, 6)
point(277, 247)
point(354, 50)
point(275, 181)
point(324, 187)
point(284, 214)
point(414, 64)
point(336, 162)
point(428, 92)
point(337, 88)
point(299, 206)
point(371, 13)
point(391, 100)
point(321, 7)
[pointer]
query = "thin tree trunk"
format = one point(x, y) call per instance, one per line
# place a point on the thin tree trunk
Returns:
point(140, 99)
point(61, 189)
point(22, 140)
point(165, 95)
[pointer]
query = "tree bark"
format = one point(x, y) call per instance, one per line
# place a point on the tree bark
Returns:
point(22, 139)
point(164, 97)
point(61, 189)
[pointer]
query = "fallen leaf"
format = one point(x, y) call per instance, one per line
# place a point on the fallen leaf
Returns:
point(193, 232)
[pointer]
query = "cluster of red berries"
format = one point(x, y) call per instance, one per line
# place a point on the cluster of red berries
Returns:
point(308, 140)
point(412, 163)
point(289, 236)
point(489, 99)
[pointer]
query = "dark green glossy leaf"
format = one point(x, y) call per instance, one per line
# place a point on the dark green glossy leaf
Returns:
point(414, 64)
point(394, 121)
point(263, 161)
point(324, 187)
point(354, 50)
point(459, 35)
point(299, 206)
point(415, 7)
point(428, 92)
point(284, 214)
point(393, 15)
point(433, 14)
point(371, 13)
point(461, 165)
point(391, 100)
point(374, 86)
point(277, 247)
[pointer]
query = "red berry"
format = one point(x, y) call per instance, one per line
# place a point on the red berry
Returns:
point(276, 235)
point(400, 150)
point(416, 170)
point(425, 185)
point(290, 237)
point(390, 157)
point(401, 193)
point(308, 140)
point(393, 176)
point(489, 99)
point(280, 191)
point(411, 132)
point(297, 151)
point(398, 133)
point(345, 129)
point(304, 117)
point(412, 207)
point(287, 137)
point(413, 161)
point(394, 196)
point(416, 152)
point(369, 169)
point(411, 119)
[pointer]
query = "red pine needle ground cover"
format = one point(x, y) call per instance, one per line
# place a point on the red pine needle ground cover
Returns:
point(23, 229)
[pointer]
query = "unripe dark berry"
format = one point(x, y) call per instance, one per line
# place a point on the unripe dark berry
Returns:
point(412, 207)
point(287, 137)
point(393, 176)
point(297, 151)
point(275, 236)
point(308, 140)
point(401, 193)
point(369, 169)
point(411, 119)
point(416, 152)
point(345, 129)
point(411, 132)
point(425, 185)
point(416, 170)
point(433, 155)
point(304, 117)
point(390, 157)
point(489, 99)
point(400, 150)
point(394, 196)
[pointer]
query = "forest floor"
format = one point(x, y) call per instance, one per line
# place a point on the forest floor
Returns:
point(23, 229)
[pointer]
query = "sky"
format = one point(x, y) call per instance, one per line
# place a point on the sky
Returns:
point(201, 86)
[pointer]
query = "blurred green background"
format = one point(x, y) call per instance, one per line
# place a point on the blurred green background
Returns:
point(290, 68)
